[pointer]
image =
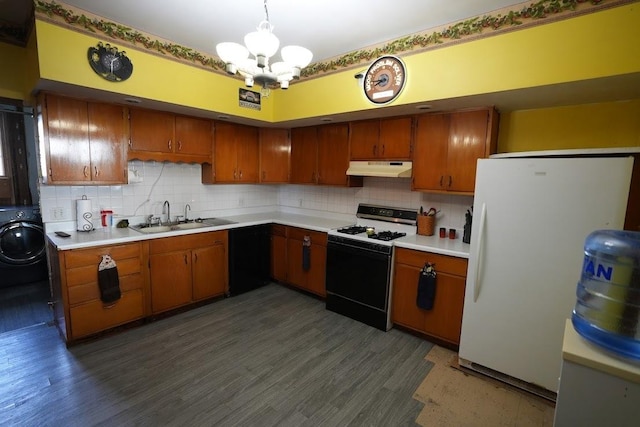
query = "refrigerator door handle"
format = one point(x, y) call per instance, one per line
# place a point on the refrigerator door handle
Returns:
point(476, 282)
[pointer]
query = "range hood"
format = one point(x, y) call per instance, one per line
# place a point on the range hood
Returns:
point(389, 169)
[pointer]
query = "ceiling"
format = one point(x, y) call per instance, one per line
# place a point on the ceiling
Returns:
point(328, 28)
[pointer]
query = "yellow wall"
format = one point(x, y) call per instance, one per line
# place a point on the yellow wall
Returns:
point(153, 76)
point(12, 71)
point(611, 124)
point(606, 43)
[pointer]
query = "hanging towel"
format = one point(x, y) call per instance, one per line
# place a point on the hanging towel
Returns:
point(108, 280)
point(426, 287)
point(306, 253)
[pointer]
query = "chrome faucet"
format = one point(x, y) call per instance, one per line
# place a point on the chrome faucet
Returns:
point(166, 204)
point(186, 218)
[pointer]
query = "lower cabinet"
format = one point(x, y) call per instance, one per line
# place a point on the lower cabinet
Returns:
point(289, 263)
point(78, 308)
point(444, 320)
point(185, 269)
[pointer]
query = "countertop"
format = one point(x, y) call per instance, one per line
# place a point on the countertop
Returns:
point(113, 235)
point(578, 350)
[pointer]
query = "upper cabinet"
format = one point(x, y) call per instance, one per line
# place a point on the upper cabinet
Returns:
point(235, 158)
point(161, 136)
point(275, 151)
point(447, 147)
point(320, 155)
point(384, 139)
point(84, 142)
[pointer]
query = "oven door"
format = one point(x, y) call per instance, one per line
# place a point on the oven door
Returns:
point(358, 274)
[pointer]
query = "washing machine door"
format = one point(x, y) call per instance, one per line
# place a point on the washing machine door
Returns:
point(21, 243)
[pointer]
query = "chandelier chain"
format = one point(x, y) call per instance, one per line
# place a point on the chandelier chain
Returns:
point(266, 11)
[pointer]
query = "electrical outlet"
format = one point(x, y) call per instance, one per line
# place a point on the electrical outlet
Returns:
point(57, 213)
point(299, 202)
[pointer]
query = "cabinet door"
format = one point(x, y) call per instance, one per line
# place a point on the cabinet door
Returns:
point(333, 154)
point(430, 152)
point(304, 154)
point(247, 153)
point(316, 274)
point(467, 143)
point(209, 268)
point(224, 157)
point(445, 319)
point(275, 150)
point(404, 310)
point(68, 152)
point(170, 280)
point(279, 258)
point(363, 139)
point(395, 138)
point(193, 136)
point(108, 135)
point(151, 131)
point(296, 275)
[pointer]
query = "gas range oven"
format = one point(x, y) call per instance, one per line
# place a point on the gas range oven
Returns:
point(359, 263)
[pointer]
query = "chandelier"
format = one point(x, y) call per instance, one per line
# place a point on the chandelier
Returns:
point(263, 44)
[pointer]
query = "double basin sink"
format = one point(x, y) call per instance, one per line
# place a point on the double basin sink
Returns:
point(164, 228)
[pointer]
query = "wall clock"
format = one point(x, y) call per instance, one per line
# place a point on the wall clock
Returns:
point(109, 63)
point(384, 79)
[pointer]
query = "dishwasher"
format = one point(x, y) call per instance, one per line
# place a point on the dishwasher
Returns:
point(249, 258)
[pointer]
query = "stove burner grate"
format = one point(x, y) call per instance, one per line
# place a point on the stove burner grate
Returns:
point(387, 235)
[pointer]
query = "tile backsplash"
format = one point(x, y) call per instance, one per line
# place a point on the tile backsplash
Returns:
point(181, 184)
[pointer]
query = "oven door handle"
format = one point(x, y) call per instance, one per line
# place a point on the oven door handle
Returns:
point(356, 250)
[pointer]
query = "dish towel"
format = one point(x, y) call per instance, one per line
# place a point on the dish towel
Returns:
point(108, 281)
point(426, 287)
point(306, 253)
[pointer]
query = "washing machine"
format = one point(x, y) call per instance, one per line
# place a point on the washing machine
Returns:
point(22, 246)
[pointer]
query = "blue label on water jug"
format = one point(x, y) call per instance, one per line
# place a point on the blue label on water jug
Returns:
point(593, 268)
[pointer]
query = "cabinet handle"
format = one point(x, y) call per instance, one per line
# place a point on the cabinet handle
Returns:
point(264, 175)
point(106, 307)
point(84, 171)
point(169, 145)
point(441, 179)
point(375, 149)
point(179, 145)
point(450, 181)
point(185, 260)
point(383, 149)
point(195, 257)
point(234, 174)
point(50, 173)
point(240, 174)
point(217, 242)
point(129, 142)
point(96, 172)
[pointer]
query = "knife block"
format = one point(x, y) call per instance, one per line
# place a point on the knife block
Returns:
point(426, 225)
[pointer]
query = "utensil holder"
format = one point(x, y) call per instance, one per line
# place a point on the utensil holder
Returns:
point(426, 225)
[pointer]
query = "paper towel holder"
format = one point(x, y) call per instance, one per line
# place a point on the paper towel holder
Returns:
point(83, 214)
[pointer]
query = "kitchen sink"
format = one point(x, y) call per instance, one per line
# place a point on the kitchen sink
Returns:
point(199, 223)
point(215, 221)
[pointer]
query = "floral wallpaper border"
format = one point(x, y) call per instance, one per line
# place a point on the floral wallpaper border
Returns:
point(536, 13)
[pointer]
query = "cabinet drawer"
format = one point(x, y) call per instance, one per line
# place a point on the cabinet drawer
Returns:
point(317, 237)
point(443, 263)
point(89, 274)
point(278, 230)
point(90, 291)
point(93, 256)
point(192, 241)
point(93, 317)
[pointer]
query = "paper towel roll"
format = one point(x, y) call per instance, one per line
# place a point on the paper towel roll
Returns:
point(83, 214)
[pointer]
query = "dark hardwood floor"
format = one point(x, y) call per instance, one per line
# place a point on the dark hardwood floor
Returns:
point(24, 305)
point(272, 356)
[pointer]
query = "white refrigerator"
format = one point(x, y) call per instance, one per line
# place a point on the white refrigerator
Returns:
point(530, 220)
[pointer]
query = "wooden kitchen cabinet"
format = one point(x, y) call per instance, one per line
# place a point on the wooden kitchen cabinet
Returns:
point(320, 155)
point(384, 139)
point(444, 320)
point(85, 142)
point(235, 158)
point(162, 136)
point(185, 269)
point(447, 147)
point(313, 279)
point(279, 252)
point(79, 312)
point(275, 151)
